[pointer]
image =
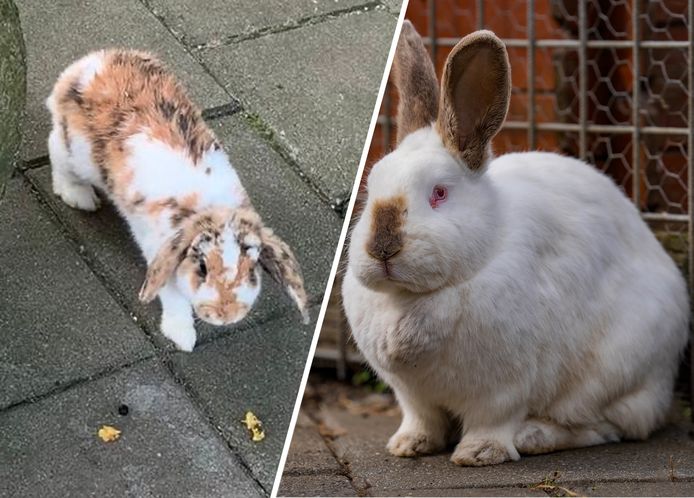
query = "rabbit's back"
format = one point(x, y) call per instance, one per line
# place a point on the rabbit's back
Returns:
point(580, 285)
point(125, 124)
point(111, 95)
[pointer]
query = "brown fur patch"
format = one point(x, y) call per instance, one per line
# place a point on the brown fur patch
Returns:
point(173, 251)
point(131, 92)
point(387, 220)
point(415, 78)
point(137, 201)
point(178, 210)
point(65, 134)
point(279, 261)
point(475, 94)
point(227, 304)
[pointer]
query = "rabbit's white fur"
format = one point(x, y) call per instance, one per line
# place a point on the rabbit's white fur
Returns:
point(534, 306)
point(124, 125)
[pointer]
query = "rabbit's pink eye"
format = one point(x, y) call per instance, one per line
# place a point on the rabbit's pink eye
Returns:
point(438, 195)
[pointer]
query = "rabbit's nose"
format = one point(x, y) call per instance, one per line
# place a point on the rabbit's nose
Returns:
point(388, 219)
point(384, 253)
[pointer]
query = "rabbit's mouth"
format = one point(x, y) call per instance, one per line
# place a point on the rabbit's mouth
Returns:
point(389, 271)
point(217, 315)
point(386, 269)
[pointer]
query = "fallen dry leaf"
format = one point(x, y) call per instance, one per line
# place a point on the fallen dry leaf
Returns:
point(331, 431)
point(108, 433)
point(374, 404)
point(254, 425)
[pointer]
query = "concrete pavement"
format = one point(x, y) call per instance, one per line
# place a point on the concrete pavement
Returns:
point(78, 346)
point(338, 449)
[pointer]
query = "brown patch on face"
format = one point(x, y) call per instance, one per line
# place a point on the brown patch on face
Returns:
point(415, 78)
point(387, 220)
point(131, 92)
point(227, 305)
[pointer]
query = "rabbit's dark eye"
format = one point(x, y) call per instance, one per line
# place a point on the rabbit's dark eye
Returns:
point(242, 245)
point(202, 269)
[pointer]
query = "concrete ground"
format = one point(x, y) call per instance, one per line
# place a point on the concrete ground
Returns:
point(289, 88)
point(338, 449)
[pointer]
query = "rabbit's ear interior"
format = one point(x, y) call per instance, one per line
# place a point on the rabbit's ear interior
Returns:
point(278, 260)
point(415, 78)
point(475, 94)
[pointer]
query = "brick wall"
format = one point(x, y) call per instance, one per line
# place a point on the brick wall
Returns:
point(609, 82)
point(663, 88)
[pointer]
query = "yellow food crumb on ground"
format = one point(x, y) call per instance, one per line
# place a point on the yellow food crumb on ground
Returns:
point(108, 433)
point(254, 425)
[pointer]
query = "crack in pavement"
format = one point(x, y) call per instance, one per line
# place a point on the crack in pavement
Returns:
point(291, 25)
point(359, 484)
point(253, 120)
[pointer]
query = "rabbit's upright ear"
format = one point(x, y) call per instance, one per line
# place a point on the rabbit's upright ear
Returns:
point(415, 79)
point(278, 260)
point(475, 94)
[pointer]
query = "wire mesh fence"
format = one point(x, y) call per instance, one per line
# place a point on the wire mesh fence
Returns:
point(608, 81)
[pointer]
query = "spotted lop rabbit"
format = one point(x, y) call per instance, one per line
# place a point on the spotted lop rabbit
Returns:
point(124, 125)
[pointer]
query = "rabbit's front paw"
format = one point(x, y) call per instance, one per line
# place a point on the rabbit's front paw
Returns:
point(479, 452)
point(181, 332)
point(410, 444)
point(78, 196)
point(534, 439)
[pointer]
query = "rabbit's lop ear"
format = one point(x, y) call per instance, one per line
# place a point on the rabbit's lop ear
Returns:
point(475, 94)
point(166, 261)
point(278, 260)
point(415, 78)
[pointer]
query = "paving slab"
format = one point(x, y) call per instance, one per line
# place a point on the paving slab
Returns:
point(510, 491)
point(166, 448)
point(258, 370)
point(308, 453)
point(332, 485)
point(214, 21)
point(58, 33)
point(319, 105)
point(394, 6)
point(673, 488)
point(363, 447)
point(57, 322)
point(13, 85)
point(284, 201)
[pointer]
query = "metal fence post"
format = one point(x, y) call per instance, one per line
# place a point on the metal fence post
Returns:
point(690, 193)
point(530, 30)
point(636, 98)
point(582, 80)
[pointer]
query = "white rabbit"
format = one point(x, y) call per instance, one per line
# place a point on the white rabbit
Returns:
point(521, 296)
point(123, 124)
